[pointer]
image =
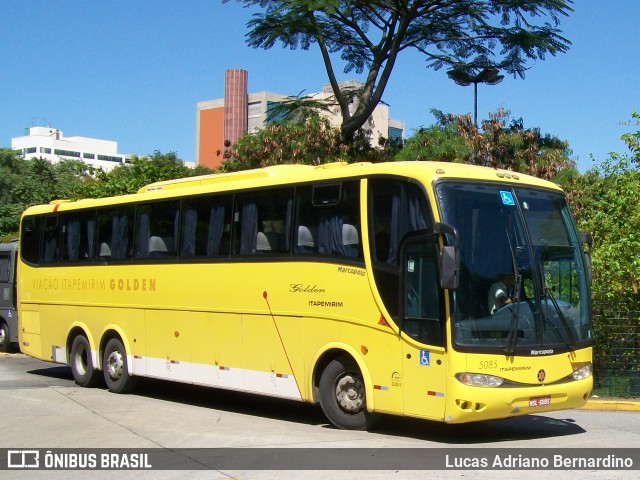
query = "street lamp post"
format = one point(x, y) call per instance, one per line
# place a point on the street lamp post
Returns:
point(487, 75)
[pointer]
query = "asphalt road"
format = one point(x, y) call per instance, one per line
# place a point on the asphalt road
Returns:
point(43, 409)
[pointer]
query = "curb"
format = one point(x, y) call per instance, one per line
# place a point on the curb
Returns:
point(612, 405)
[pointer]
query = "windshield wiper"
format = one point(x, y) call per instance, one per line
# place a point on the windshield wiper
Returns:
point(561, 316)
point(515, 301)
point(515, 315)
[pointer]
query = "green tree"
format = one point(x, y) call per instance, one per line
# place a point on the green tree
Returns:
point(29, 182)
point(312, 142)
point(441, 142)
point(129, 178)
point(37, 181)
point(632, 139)
point(604, 202)
point(466, 34)
point(501, 143)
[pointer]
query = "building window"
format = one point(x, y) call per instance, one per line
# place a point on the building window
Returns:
point(45, 150)
point(66, 153)
point(92, 156)
point(110, 158)
point(274, 117)
point(30, 150)
point(395, 135)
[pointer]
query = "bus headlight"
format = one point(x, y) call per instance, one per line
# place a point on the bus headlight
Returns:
point(582, 373)
point(479, 380)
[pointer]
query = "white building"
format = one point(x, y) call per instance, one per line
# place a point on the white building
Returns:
point(51, 144)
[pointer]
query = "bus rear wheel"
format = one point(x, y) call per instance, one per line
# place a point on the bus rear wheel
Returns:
point(116, 371)
point(342, 395)
point(81, 363)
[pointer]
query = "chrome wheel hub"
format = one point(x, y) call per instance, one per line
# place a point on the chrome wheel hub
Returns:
point(115, 365)
point(350, 394)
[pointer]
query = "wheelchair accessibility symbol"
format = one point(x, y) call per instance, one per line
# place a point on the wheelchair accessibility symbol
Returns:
point(425, 360)
point(507, 198)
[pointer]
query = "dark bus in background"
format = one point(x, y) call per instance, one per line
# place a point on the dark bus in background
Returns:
point(8, 297)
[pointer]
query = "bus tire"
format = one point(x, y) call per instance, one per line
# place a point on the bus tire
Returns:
point(116, 371)
point(82, 368)
point(5, 337)
point(343, 397)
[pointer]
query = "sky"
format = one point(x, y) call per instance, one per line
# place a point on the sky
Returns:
point(132, 71)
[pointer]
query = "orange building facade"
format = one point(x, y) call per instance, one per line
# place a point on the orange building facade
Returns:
point(210, 137)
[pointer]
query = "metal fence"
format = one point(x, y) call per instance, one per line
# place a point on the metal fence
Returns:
point(617, 355)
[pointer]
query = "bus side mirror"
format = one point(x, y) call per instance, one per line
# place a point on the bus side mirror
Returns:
point(449, 258)
point(449, 267)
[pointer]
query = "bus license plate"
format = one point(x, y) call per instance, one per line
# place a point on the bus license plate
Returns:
point(539, 401)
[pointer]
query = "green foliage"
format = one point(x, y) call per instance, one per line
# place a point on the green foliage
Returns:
point(313, 142)
point(465, 34)
point(500, 143)
point(604, 201)
point(440, 142)
point(29, 182)
point(129, 178)
point(37, 181)
point(632, 139)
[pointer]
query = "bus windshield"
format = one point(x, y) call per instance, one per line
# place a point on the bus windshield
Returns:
point(523, 285)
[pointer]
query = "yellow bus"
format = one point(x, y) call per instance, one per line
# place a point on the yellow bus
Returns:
point(433, 290)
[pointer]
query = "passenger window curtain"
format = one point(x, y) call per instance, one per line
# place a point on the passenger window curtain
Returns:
point(330, 233)
point(76, 251)
point(288, 222)
point(395, 233)
point(73, 239)
point(176, 230)
point(216, 228)
point(50, 244)
point(90, 234)
point(189, 226)
point(142, 245)
point(408, 214)
point(417, 210)
point(249, 228)
point(120, 237)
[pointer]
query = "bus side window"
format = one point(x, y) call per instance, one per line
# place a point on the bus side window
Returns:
point(157, 230)
point(30, 239)
point(306, 223)
point(5, 267)
point(262, 222)
point(396, 208)
point(77, 236)
point(114, 239)
point(421, 293)
point(206, 226)
point(328, 220)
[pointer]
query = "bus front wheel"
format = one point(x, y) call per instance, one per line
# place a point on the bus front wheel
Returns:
point(5, 338)
point(81, 363)
point(342, 395)
point(116, 371)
